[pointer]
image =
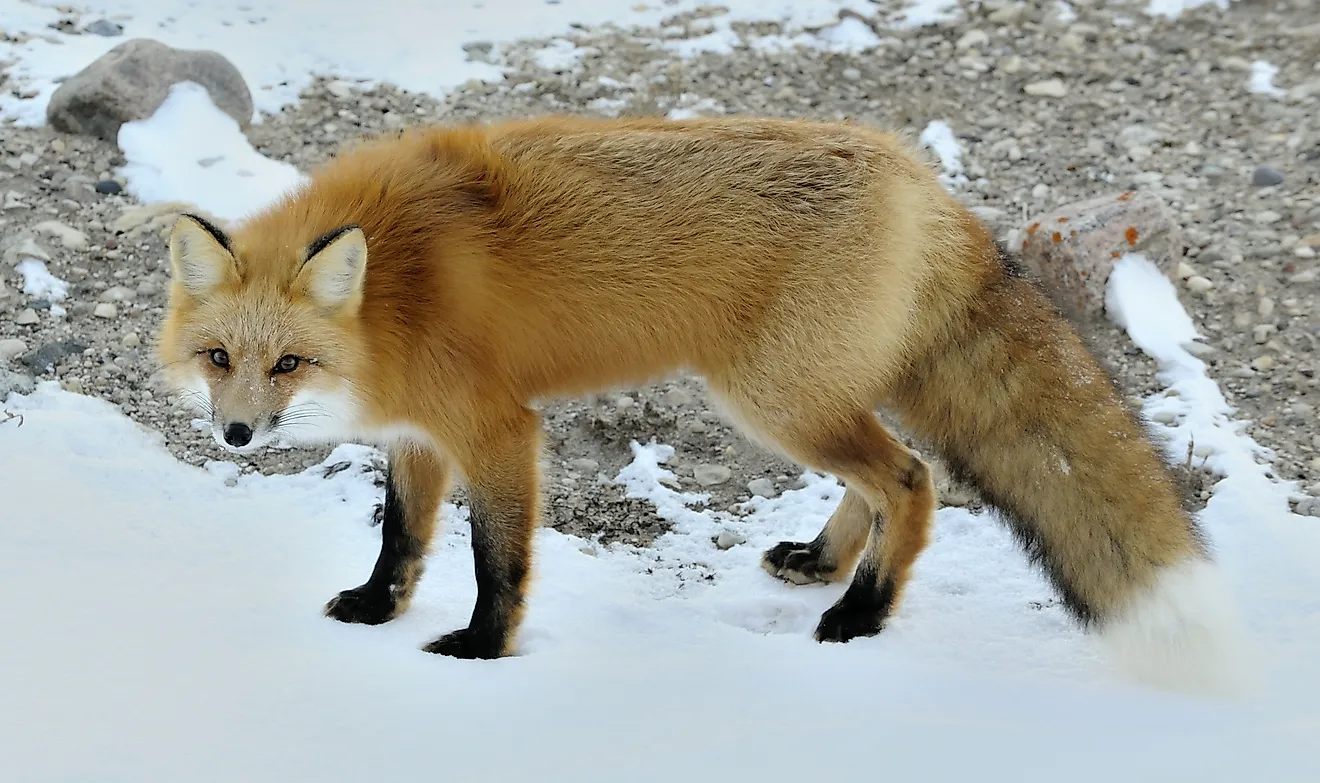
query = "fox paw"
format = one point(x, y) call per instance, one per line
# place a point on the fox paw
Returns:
point(848, 620)
point(363, 604)
point(466, 644)
point(797, 563)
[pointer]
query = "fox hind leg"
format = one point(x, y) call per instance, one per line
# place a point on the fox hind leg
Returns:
point(832, 553)
point(416, 484)
point(891, 509)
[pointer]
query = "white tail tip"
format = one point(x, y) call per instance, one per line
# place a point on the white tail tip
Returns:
point(1183, 634)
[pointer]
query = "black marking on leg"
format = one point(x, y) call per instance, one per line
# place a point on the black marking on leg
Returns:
point(799, 562)
point(498, 538)
point(861, 611)
point(377, 600)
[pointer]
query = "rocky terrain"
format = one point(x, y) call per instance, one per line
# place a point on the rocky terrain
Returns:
point(1049, 107)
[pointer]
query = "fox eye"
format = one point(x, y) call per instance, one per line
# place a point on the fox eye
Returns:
point(219, 357)
point(287, 363)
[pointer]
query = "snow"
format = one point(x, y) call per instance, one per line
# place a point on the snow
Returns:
point(279, 46)
point(39, 282)
point(1262, 79)
point(939, 137)
point(191, 151)
point(1172, 9)
point(162, 614)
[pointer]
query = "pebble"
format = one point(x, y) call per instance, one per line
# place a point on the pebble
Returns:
point(761, 487)
point(583, 465)
point(1266, 217)
point(1304, 251)
point(1261, 333)
point(1049, 88)
point(108, 187)
point(1263, 363)
point(1199, 285)
point(1265, 308)
point(727, 539)
point(340, 89)
point(1266, 176)
point(12, 348)
point(972, 39)
point(131, 340)
point(1198, 349)
point(117, 294)
point(711, 475)
point(67, 235)
point(105, 310)
point(27, 317)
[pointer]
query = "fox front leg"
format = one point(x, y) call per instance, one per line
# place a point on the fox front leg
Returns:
point(503, 509)
point(416, 483)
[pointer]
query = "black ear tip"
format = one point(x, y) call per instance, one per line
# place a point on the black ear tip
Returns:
point(323, 241)
point(219, 236)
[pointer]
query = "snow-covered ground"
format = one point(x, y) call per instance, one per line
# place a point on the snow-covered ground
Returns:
point(163, 622)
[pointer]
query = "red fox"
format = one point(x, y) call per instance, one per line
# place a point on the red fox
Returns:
point(425, 289)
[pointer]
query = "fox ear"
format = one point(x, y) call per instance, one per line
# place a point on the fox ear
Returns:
point(201, 256)
point(335, 269)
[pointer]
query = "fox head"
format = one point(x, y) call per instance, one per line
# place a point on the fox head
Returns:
point(263, 340)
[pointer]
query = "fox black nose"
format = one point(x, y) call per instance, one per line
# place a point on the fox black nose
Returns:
point(238, 434)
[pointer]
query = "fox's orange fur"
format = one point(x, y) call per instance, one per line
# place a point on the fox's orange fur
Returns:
point(810, 272)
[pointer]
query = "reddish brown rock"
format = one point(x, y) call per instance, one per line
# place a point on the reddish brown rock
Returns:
point(1072, 250)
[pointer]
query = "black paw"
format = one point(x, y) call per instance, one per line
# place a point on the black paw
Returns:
point(464, 643)
point(797, 563)
point(362, 604)
point(848, 620)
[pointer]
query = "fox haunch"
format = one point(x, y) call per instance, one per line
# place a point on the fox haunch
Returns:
point(423, 291)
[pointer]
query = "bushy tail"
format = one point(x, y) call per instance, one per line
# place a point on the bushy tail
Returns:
point(1018, 408)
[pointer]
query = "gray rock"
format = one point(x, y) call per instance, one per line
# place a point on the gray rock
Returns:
point(108, 187)
point(105, 27)
point(762, 487)
point(711, 475)
point(26, 317)
point(131, 81)
point(15, 382)
point(11, 348)
point(1073, 249)
point(1266, 176)
point(727, 539)
point(47, 356)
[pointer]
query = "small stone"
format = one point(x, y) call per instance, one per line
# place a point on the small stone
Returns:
point(339, 88)
point(1263, 363)
point(1199, 285)
point(27, 317)
point(1266, 217)
point(67, 235)
point(1266, 176)
point(105, 27)
point(1198, 349)
point(972, 39)
point(1265, 308)
point(117, 294)
point(108, 187)
point(761, 487)
point(44, 358)
point(851, 74)
point(12, 348)
point(1040, 191)
point(711, 475)
point(105, 310)
point(1304, 251)
point(131, 340)
point(1049, 88)
point(727, 539)
point(1185, 270)
point(1261, 333)
point(583, 465)
point(1309, 276)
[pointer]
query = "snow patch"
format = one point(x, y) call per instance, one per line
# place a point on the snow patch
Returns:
point(1172, 9)
point(39, 282)
point(938, 136)
point(191, 151)
point(1262, 80)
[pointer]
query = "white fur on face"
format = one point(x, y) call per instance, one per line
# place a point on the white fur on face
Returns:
point(316, 417)
point(1183, 634)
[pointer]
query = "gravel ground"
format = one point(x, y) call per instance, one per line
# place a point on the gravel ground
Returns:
point(1140, 103)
